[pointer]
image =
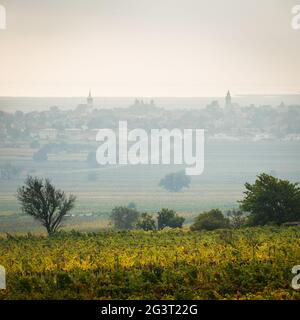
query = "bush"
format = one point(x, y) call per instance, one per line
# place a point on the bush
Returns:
point(146, 222)
point(237, 218)
point(169, 218)
point(271, 201)
point(211, 220)
point(124, 218)
point(175, 182)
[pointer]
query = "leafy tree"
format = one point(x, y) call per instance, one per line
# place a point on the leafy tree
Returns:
point(146, 222)
point(175, 182)
point(40, 199)
point(237, 218)
point(169, 218)
point(124, 218)
point(210, 220)
point(271, 201)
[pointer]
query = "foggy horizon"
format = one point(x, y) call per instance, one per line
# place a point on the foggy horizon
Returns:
point(149, 152)
point(28, 104)
point(155, 96)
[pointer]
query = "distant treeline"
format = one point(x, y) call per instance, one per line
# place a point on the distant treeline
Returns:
point(244, 122)
point(268, 201)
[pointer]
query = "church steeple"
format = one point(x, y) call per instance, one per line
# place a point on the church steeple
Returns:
point(228, 100)
point(90, 100)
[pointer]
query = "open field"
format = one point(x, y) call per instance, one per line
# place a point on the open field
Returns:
point(22, 225)
point(251, 263)
point(228, 165)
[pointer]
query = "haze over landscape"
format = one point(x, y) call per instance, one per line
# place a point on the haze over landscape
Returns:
point(193, 108)
point(136, 48)
point(156, 64)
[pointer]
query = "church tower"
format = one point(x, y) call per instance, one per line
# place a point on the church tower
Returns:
point(228, 103)
point(90, 100)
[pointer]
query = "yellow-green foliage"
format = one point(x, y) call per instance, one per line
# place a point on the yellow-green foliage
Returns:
point(251, 263)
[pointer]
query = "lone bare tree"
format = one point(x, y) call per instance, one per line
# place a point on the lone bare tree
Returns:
point(39, 199)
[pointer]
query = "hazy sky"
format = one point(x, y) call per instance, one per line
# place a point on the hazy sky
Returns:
point(148, 47)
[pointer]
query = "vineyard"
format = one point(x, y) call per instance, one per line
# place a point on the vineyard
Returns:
point(252, 263)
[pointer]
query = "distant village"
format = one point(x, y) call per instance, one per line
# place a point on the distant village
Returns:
point(221, 122)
